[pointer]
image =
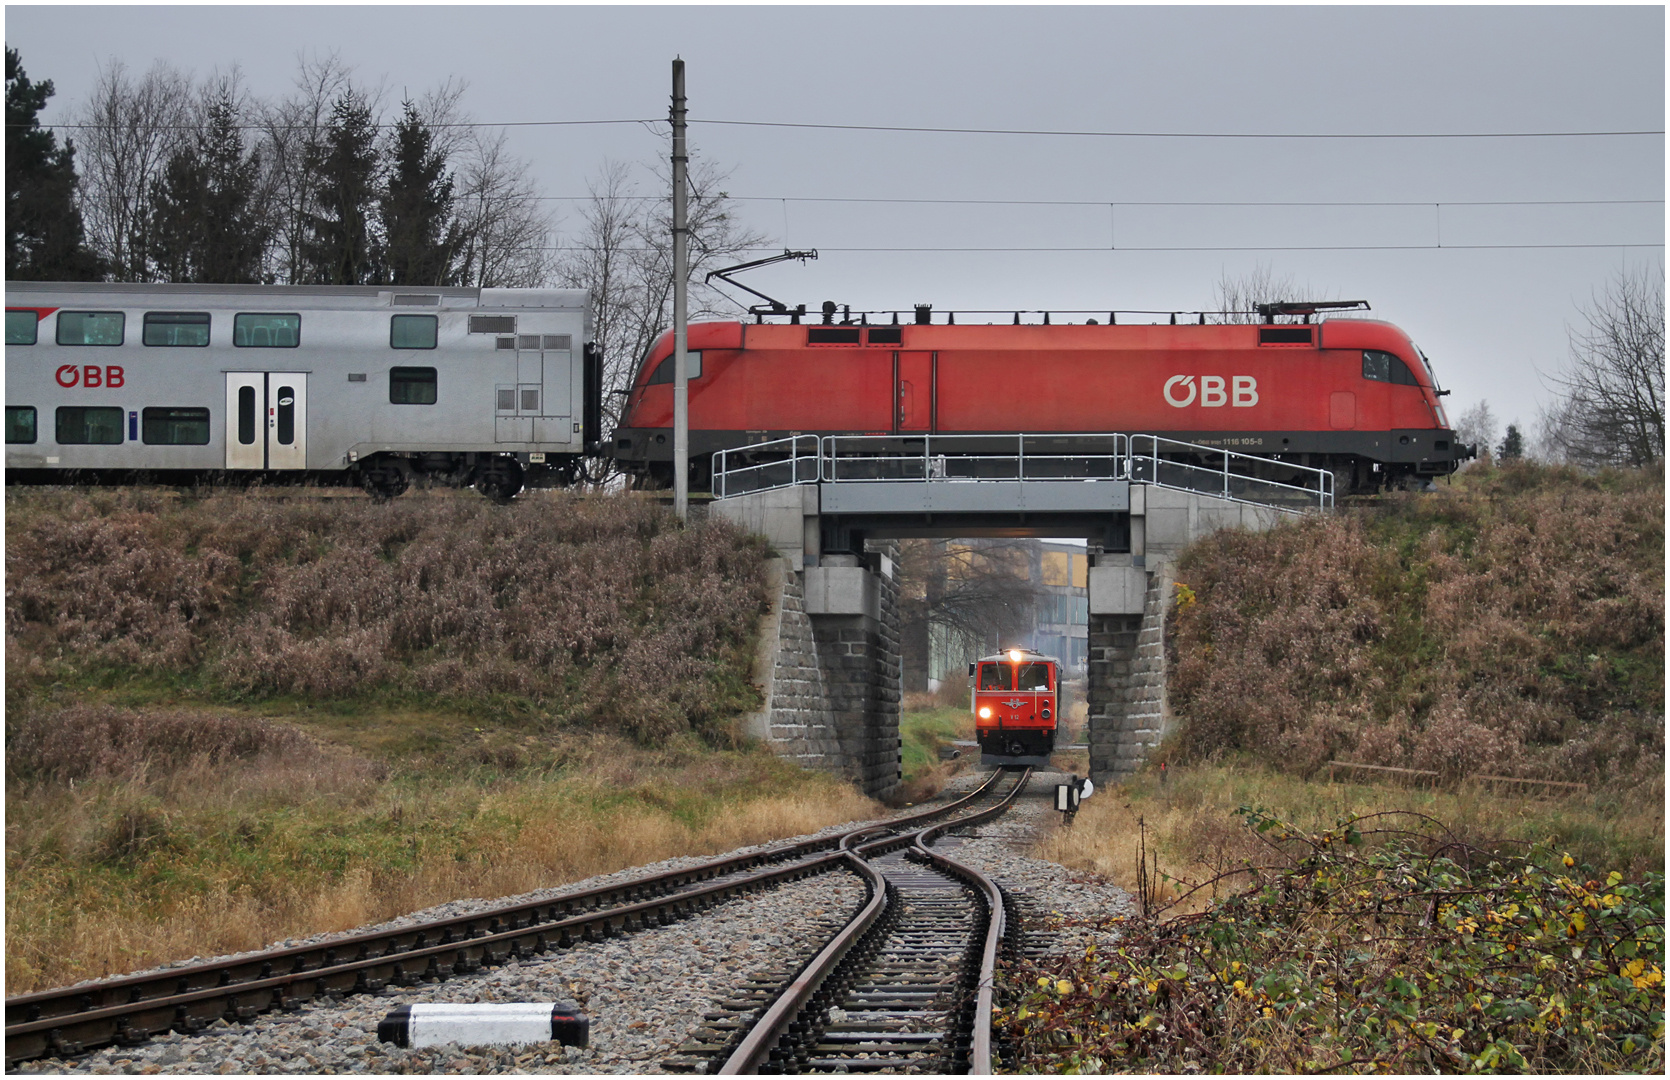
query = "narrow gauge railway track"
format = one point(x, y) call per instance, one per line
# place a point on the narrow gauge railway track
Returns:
point(905, 986)
point(187, 999)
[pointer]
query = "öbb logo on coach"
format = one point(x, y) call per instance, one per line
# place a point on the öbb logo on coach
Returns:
point(1181, 391)
point(92, 377)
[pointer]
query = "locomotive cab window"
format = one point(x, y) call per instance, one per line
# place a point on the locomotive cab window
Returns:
point(264, 331)
point(664, 370)
point(90, 328)
point(21, 327)
point(177, 328)
point(412, 331)
point(994, 677)
point(20, 422)
point(1384, 367)
point(1033, 677)
point(89, 424)
point(412, 386)
point(174, 427)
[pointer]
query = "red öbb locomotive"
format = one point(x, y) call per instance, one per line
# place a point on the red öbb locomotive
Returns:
point(1016, 704)
point(1350, 395)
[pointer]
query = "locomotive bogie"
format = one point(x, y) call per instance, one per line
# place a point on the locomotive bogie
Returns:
point(1354, 396)
point(373, 385)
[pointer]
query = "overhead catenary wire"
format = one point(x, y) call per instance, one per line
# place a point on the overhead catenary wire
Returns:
point(932, 130)
point(1181, 248)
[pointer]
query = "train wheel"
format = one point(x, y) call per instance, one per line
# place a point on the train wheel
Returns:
point(385, 479)
point(499, 479)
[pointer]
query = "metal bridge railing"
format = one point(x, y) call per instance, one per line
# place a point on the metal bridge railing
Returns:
point(1153, 459)
point(789, 461)
point(1156, 460)
point(975, 457)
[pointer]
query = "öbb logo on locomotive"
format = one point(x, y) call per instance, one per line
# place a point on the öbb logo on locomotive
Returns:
point(1180, 391)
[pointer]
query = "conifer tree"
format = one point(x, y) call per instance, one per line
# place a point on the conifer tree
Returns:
point(421, 236)
point(206, 225)
point(340, 247)
point(45, 238)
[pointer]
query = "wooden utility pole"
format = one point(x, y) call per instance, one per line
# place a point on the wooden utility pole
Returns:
point(681, 305)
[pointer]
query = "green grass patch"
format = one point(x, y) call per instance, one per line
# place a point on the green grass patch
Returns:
point(924, 732)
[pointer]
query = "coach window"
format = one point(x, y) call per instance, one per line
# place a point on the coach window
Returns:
point(664, 370)
point(412, 385)
point(20, 423)
point(90, 327)
point(174, 427)
point(263, 331)
point(78, 424)
point(178, 328)
point(412, 331)
point(21, 327)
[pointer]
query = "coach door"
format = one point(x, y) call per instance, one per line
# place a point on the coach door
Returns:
point(537, 407)
point(913, 386)
point(266, 426)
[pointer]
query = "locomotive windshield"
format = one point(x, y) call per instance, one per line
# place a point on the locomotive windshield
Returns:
point(1033, 677)
point(998, 676)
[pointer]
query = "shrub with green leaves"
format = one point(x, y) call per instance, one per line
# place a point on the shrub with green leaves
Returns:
point(1374, 946)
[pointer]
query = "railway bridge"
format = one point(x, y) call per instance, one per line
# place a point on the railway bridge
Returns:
point(834, 508)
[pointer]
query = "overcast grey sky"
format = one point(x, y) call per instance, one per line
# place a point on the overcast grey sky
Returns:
point(1489, 317)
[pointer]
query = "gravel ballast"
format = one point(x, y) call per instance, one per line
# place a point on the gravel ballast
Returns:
point(644, 993)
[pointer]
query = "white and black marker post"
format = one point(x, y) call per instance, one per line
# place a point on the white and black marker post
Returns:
point(485, 1025)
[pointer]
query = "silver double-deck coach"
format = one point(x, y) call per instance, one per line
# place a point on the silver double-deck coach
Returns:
point(491, 387)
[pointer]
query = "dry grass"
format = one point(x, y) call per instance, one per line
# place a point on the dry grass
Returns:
point(1193, 836)
point(165, 854)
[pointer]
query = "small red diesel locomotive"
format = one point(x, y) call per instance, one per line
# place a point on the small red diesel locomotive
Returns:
point(1350, 395)
point(1015, 701)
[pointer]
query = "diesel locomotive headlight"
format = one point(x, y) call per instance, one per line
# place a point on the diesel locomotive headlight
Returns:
point(985, 712)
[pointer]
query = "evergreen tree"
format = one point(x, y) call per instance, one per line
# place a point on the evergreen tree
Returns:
point(340, 248)
point(1513, 445)
point(206, 225)
point(45, 240)
point(421, 238)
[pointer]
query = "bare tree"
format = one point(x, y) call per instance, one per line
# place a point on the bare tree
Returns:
point(623, 254)
point(130, 128)
point(1238, 296)
point(980, 593)
point(506, 233)
point(1477, 428)
point(1610, 407)
point(293, 130)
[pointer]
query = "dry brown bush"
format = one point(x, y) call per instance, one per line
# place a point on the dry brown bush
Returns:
point(595, 609)
point(1513, 625)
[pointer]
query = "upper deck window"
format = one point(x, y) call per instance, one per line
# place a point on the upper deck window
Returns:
point(1384, 367)
point(413, 331)
point(187, 328)
point(261, 330)
point(21, 327)
point(90, 327)
point(664, 370)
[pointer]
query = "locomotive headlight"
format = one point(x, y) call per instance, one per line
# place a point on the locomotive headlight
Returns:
point(1015, 655)
point(1046, 714)
point(985, 712)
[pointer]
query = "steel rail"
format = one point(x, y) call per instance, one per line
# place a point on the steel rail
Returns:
point(756, 1047)
point(130, 1009)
